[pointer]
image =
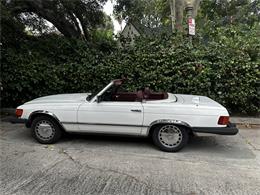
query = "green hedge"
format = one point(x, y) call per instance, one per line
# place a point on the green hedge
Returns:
point(49, 65)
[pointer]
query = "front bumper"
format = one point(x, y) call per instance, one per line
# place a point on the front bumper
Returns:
point(230, 129)
point(17, 120)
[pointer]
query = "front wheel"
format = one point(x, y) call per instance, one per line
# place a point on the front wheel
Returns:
point(45, 130)
point(170, 138)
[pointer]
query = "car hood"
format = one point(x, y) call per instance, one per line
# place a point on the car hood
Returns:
point(61, 98)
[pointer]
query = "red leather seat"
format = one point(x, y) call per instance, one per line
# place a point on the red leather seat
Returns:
point(139, 95)
point(147, 93)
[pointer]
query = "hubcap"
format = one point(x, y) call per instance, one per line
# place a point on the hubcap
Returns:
point(44, 130)
point(170, 136)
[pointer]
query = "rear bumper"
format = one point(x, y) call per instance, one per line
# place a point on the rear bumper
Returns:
point(229, 130)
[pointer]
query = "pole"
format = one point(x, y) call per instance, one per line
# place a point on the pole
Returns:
point(189, 10)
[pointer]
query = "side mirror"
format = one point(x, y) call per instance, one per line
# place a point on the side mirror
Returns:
point(98, 98)
point(88, 98)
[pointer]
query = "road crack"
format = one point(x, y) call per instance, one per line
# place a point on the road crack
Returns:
point(148, 186)
point(77, 163)
point(248, 142)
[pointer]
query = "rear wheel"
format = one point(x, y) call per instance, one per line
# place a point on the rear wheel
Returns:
point(45, 130)
point(170, 138)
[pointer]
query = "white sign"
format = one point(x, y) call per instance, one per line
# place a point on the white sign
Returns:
point(191, 22)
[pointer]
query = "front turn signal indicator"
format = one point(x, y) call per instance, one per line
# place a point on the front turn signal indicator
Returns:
point(223, 120)
point(19, 112)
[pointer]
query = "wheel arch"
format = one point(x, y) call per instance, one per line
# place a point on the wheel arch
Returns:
point(167, 121)
point(37, 113)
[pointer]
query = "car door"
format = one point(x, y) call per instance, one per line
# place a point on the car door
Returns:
point(111, 117)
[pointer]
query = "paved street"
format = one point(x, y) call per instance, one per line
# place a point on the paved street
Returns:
point(88, 164)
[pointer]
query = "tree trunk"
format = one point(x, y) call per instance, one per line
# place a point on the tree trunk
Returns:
point(179, 8)
point(196, 5)
point(173, 15)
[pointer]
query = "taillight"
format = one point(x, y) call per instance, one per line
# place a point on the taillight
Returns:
point(223, 120)
point(19, 112)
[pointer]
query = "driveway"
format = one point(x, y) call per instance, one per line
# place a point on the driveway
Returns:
point(88, 164)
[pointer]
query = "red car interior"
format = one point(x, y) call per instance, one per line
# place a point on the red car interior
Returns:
point(145, 94)
point(139, 96)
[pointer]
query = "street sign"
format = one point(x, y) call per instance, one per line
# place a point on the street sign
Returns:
point(191, 23)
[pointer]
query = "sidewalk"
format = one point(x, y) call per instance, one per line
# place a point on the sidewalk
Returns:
point(245, 120)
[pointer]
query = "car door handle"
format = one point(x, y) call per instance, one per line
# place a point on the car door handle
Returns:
point(136, 110)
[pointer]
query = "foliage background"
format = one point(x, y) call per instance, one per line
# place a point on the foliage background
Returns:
point(226, 70)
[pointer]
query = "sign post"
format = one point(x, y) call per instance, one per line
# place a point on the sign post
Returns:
point(191, 23)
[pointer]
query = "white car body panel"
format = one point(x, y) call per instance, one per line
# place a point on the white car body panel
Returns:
point(76, 114)
point(116, 116)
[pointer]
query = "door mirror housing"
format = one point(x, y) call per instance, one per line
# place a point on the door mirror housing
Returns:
point(88, 98)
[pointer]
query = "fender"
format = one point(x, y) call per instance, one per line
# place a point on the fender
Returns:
point(42, 112)
point(167, 121)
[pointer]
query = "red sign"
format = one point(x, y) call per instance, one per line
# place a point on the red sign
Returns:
point(191, 23)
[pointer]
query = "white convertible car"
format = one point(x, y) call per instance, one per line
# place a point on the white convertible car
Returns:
point(168, 118)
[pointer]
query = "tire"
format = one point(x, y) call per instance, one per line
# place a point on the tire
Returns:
point(45, 130)
point(169, 137)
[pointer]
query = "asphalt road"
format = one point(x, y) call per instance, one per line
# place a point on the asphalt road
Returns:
point(88, 164)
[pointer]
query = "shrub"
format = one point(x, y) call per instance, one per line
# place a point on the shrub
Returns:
point(218, 69)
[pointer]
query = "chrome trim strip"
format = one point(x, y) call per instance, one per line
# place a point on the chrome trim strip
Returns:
point(102, 124)
point(47, 113)
point(106, 133)
point(167, 121)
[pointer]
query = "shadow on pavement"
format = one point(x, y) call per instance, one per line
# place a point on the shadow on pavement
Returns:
point(221, 146)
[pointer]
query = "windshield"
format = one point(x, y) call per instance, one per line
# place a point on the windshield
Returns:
point(93, 94)
point(119, 91)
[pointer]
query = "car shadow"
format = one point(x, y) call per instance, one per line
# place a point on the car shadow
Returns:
point(104, 138)
point(221, 146)
point(198, 146)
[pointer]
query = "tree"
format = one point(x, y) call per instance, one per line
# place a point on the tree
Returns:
point(154, 13)
point(103, 35)
point(72, 18)
point(224, 12)
point(151, 13)
point(11, 29)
